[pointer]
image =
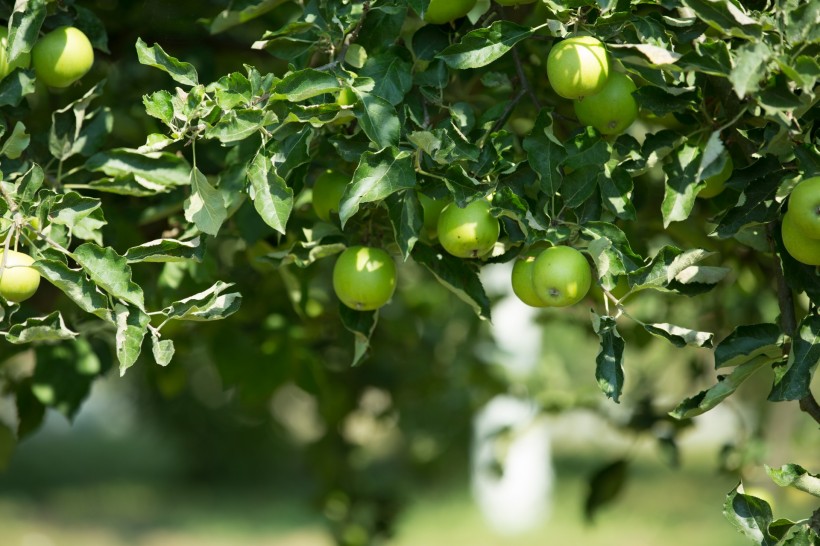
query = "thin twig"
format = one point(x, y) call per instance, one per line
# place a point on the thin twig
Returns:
point(788, 321)
point(349, 39)
point(522, 77)
point(503, 119)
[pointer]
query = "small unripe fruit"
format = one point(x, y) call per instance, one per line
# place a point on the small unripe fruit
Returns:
point(561, 276)
point(578, 67)
point(716, 183)
point(62, 56)
point(801, 247)
point(364, 278)
point(522, 284)
point(327, 193)
point(612, 109)
point(18, 281)
point(444, 11)
point(469, 232)
point(804, 206)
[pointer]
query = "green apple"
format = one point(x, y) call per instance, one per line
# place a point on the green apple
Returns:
point(612, 109)
point(804, 207)
point(522, 284)
point(444, 11)
point(18, 281)
point(327, 193)
point(716, 183)
point(561, 276)
point(578, 67)
point(802, 248)
point(513, 2)
point(431, 209)
point(469, 232)
point(7, 68)
point(364, 278)
point(62, 56)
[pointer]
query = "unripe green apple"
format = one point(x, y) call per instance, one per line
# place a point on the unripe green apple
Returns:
point(716, 183)
point(522, 284)
point(612, 109)
point(561, 276)
point(327, 193)
point(62, 56)
point(432, 210)
point(469, 232)
point(513, 2)
point(804, 207)
point(364, 278)
point(7, 68)
point(18, 281)
point(802, 248)
point(444, 11)
point(578, 67)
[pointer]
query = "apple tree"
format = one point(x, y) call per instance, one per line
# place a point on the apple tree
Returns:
point(625, 158)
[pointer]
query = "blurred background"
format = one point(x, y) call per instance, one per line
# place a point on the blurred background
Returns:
point(453, 431)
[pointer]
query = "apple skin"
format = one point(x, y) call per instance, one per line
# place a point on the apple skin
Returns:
point(327, 193)
point(18, 282)
point(444, 11)
point(364, 278)
point(612, 109)
point(6, 68)
point(522, 284)
point(804, 207)
point(62, 57)
point(578, 67)
point(716, 183)
point(561, 276)
point(513, 2)
point(432, 211)
point(802, 248)
point(469, 232)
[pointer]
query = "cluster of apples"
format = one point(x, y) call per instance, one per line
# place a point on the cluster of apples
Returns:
point(59, 58)
point(801, 223)
point(578, 69)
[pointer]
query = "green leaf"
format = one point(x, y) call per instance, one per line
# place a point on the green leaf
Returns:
point(362, 324)
point(16, 143)
point(604, 486)
point(132, 324)
point(458, 276)
point(679, 336)
point(305, 84)
point(155, 56)
point(15, 86)
point(75, 130)
point(681, 184)
point(70, 208)
point(63, 375)
point(109, 271)
point(481, 47)
point(392, 74)
point(167, 250)
point(205, 207)
point(158, 171)
point(76, 286)
point(378, 119)
point(725, 387)
point(406, 217)
point(40, 329)
point(750, 67)
point(241, 12)
point(24, 27)
point(749, 342)
point(377, 176)
point(271, 196)
point(236, 125)
point(609, 369)
point(162, 349)
point(792, 475)
point(545, 153)
point(725, 16)
point(210, 304)
point(232, 91)
point(793, 380)
point(750, 516)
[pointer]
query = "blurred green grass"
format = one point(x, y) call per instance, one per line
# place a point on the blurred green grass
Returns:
point(659, 506)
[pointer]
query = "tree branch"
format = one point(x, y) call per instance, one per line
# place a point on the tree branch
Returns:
point(522, 77)
point(788, 321)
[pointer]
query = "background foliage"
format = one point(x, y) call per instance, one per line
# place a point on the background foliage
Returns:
point(173, 187)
